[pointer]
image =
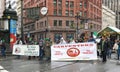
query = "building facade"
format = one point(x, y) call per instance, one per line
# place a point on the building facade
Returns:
point(108, 17)
point(19, 16)
point(114, 5)
point(66, 18)
point(2, 8)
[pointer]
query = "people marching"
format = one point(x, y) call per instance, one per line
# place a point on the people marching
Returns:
point(18, 42)
point(105, 47)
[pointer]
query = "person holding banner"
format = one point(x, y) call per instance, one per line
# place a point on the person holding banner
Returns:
point(91, 39)
point(41, 52)
point(18, 41)
point(47, 49)
point(32, 42)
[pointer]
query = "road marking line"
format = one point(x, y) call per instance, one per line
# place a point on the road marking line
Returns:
point(2, 69)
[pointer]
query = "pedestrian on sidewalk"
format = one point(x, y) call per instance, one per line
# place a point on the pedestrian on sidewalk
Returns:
point(3, 49)
point(118, 50)
point(115, 47)
point(104, 47)
point(109, 51)
point(47, 49)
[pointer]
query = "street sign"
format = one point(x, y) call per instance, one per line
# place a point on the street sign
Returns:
point(44, 10)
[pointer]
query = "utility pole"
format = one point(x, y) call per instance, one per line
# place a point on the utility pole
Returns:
point(22, 33)
point(77, 17)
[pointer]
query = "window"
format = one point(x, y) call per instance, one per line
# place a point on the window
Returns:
point(67, 23)
point(55, 11)
point(67, 13)
point(85, 14)
point(80, 4)
point(71, 24)
point(41, 24)
point(71, 13)
point(71, 4)
point(55, 3)
point(45, 23)
point(60, 12)
point(82, 22)
point(57, 36)
point(67, 4)
point(60, 22)
point(55, 22)
point(85, 4)
point(69, 36)
point(60, 3)
point(105, 2)
point(32, 27)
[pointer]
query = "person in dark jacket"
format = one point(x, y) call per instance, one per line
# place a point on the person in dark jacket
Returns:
point(118, 51)
point(109, 51)
point(104, 47)
point(3, 49)
point(41, 50)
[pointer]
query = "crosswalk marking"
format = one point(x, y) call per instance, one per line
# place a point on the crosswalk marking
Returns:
point(2, 69)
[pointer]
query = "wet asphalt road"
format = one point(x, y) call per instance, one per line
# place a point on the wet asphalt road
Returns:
point(24, 65)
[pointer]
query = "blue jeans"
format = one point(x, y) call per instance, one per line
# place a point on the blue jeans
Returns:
point(109, 52)
point(3, 52)
point(118, 54)
point(41, 54)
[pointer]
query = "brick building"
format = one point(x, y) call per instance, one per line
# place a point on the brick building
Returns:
point(61, 18)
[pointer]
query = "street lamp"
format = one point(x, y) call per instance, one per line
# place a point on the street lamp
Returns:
point(22, 20)
point(85, 20)
point(10, 21)
point(77, 17)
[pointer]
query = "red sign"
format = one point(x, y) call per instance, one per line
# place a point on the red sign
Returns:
point(12, 38)
point(73, 52)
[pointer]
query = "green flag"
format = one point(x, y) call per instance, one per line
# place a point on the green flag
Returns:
point(94, 34)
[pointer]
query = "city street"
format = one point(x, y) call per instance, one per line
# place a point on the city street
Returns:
point(23, 65)
point(59, 35)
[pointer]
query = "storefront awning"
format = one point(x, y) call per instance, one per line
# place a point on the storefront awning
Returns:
point(110, 30)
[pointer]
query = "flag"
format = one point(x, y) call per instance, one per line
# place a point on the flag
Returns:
point(94, 34)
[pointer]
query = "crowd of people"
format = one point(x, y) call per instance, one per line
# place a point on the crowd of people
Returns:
point(105, 47)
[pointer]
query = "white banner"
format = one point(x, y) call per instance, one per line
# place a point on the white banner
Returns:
point(77, 51)
point(28, 50)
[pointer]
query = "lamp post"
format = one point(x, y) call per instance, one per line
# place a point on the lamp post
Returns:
point(22, 20)
point(77, 17)
point(44, 12)
point(10, 21)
